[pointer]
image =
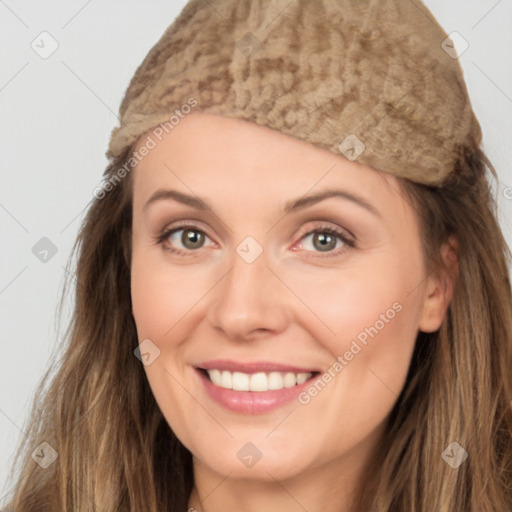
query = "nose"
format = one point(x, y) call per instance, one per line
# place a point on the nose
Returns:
point(249, 302)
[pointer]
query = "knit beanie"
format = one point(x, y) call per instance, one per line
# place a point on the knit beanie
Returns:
point(374, 81)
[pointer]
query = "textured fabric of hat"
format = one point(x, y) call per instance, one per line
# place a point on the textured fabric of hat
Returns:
point(376, 81)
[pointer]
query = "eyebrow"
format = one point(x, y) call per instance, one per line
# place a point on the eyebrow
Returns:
point(290, 206)
point(306, 201)
point(163, 194)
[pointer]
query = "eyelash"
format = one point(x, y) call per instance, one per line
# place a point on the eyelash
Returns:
point(317, 228)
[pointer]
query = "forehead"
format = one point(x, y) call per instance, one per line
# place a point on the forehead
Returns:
point(216, 156)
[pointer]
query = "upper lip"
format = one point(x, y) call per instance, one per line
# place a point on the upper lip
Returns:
point(252, 367)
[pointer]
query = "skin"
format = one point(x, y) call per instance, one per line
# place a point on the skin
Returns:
point(294, 304)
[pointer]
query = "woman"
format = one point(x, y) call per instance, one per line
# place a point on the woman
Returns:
point(292, 287)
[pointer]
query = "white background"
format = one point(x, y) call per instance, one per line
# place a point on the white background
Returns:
point(56, 115)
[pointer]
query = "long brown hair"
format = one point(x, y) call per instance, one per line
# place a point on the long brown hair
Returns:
point(117, 453)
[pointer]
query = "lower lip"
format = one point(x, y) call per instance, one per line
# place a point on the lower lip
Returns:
point(252, 402)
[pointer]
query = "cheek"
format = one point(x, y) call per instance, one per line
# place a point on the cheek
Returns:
point(366, 317)
point(375, 295)
point(162, 297)
point(373, 318)
point(163, 308)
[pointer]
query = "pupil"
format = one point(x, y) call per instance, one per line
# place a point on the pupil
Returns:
point(324, 239)
point(192, 239)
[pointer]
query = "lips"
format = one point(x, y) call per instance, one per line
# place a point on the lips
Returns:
point(250, 402)
point(254, 367)
point(256, 382)
point(253, 387)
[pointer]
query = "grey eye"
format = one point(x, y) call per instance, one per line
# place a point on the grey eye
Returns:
point(321, 241)
point(190, 239)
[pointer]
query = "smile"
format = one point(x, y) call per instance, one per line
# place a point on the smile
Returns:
point(257, 382)
point(260, 388)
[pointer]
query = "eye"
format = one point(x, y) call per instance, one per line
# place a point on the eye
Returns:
point(322, 238)
point(189, 236)
point(325, 238)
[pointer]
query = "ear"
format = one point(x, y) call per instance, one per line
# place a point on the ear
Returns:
point(439, 289)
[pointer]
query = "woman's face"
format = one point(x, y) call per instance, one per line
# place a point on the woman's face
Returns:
point(245, 263)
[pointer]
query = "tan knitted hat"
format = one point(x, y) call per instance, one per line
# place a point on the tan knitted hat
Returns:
point(377, 81)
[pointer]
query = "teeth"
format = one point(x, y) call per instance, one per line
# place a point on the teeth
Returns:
point(240, 381)
point(275, 381)
point(303, 377)
point(256, 381)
